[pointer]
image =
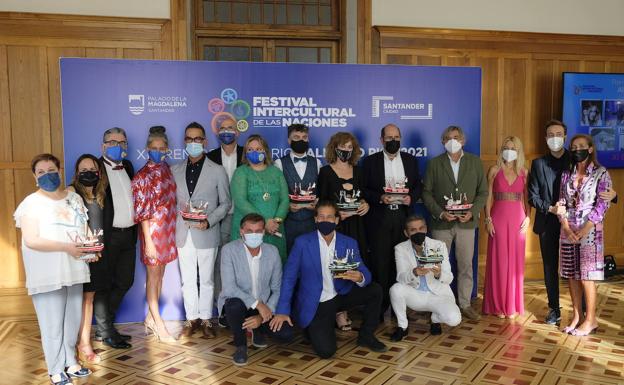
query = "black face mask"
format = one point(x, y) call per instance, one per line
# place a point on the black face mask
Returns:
point(579, 155)
point(89, 178)
point(418, 238)
point(392, 146)
point(343, 155)
point(299, 146)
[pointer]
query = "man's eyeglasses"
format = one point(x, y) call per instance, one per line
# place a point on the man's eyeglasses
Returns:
point(113, 143)
point(197, 139)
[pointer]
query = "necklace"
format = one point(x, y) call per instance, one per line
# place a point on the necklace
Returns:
point(266, 196)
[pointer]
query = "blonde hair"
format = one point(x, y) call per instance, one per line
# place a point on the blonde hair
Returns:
point(519, 162)
point(267, 152)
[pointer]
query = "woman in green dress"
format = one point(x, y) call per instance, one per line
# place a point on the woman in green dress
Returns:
point(259, 187)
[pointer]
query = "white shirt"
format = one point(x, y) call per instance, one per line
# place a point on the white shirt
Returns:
point(393, 168)
point(121, 191)
point(47, 271)
point(254, 268)
point(329, 291)
point(455, 165)
point(299, 166)
point(229, 163)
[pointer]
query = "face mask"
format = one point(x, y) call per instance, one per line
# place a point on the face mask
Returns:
point(555, 143)
point(343, 155)
point(510, 155)
point(326, 228)
point(418, 238)
point(156, 156)
point(194, 149)
point(49, 182)
point(256, 157)
point(579, 156)
point(115, 153)
point(452, 146)
point(89, 178)
point(253, 240)
point(227, 137)
point(392, 146)
point(299, 146)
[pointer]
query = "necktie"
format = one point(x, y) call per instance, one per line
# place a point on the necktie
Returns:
point(302, 159)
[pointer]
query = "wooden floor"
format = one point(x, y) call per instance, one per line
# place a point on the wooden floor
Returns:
point(492, 351)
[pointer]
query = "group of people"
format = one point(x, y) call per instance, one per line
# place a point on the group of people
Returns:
point(266, 262)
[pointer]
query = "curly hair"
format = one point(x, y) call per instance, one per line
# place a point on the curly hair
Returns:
point(338, 139)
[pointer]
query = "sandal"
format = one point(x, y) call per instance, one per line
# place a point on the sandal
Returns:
point(82, 372)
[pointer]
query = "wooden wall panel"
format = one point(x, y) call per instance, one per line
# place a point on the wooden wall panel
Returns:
point(30, 103)
point(521, 90)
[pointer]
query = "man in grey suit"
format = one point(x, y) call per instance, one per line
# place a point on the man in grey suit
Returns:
point(251, 273)
point(200, 181)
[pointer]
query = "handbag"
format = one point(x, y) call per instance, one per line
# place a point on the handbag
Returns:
point(610, 268)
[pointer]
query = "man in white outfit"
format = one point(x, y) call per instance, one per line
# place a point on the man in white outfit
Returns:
point(422, 286)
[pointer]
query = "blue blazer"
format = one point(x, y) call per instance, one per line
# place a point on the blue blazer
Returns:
point(303, 266)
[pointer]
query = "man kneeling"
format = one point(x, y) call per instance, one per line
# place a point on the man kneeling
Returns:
point(320, 295)
point(251, 275)
point(422, 285)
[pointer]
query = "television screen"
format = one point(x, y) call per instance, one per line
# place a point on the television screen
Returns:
point(594, 104)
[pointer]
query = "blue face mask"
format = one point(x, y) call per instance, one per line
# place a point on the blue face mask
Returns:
point(194, 149)
point(156, 156)
point(227, 137)
point(253, 240)
point(256, 157)
point(49, 182)
point(115, 153)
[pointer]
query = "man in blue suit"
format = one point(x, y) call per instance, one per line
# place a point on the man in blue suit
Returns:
point(320, 295)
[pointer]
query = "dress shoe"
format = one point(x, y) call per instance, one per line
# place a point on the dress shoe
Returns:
point(124, 337)
point(208, 329)
point(223, 322)
point(398, 334)
point(470, 313)
point(190, 326)
point(435, 329)
point(372, 343)
point(116, 343)
point(239, 357)
point(258, 340)
point(553, 317)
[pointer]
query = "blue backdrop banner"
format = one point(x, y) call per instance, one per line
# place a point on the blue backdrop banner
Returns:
point(264, 98)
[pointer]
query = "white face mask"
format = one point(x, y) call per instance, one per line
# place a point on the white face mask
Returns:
point(555, 143)
point(453, 146)
point(510, 155)
point(253, 240)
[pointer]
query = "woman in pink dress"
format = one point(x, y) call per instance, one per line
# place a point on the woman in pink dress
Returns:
point(154, 192)
point(507, 219)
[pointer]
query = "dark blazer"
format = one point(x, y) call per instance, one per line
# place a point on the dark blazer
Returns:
point(109, 211)
point(374, 175)
point(215, 155)
point(541, 186)
point(302, 279)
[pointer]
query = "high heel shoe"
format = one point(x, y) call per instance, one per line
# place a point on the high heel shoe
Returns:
point(85, 358)
point(150, 327)
point(578, 333)
point(168, 339)
point(568, 330)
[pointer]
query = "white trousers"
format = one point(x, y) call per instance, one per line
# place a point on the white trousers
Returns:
point(443, 309)
point(194, 263)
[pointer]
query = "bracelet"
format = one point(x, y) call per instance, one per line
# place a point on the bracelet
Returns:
point(488, 220)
